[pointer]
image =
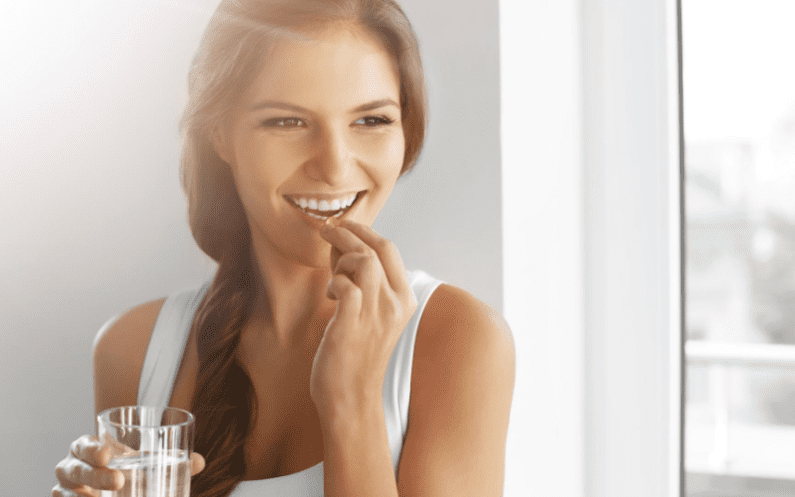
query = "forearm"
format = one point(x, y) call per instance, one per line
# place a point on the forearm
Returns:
point(357, 458)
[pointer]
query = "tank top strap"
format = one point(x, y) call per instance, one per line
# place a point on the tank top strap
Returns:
point(166, 346)
point(397, 381)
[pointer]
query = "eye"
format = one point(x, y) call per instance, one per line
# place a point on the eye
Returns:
point(283, 122)
point(374, 121)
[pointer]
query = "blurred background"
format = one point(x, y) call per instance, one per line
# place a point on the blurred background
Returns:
point(92, 217)
point(739, 122)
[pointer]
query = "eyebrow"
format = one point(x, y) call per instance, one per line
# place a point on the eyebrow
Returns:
point(272, 104)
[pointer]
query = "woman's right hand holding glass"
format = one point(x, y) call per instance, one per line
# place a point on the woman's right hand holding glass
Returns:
point(84, 471)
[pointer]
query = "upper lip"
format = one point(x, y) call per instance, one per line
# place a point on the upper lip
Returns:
point(324, 196)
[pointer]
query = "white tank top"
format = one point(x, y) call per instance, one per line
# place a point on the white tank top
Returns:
point(169, 338)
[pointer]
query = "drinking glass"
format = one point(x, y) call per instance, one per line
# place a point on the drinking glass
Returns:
point(151, 446)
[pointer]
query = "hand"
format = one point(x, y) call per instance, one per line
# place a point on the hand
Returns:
point(84, 471)
point(374, 304)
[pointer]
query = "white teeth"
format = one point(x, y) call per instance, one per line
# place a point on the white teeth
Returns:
point(324, 205)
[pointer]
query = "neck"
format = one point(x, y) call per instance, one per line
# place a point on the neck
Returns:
point(290, 297)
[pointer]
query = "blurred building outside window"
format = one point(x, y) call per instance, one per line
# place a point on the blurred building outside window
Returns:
point(739, 121)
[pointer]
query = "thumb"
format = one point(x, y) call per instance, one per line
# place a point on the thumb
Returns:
point(196, 463)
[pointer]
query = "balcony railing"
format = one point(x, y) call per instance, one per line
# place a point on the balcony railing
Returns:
point(757, 450)
point(736, 354)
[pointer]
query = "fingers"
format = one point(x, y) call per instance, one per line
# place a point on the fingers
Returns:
point(370, 260)
point(72, 473)
point(335, 257)
point(89, 449)
point(343, 239)
point(357, 260)
point(82, 472)
point(387, 253)
point(364, 269)
point(197, 463)
point(386, 250)
point(84, 469)
point(342, 289)
point(115, 446)
point(81, 491)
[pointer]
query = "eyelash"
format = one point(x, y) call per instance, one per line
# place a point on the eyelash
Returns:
point(278, 122)
point(380, 120)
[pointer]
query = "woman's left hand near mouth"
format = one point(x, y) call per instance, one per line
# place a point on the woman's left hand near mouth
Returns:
point(374, 304)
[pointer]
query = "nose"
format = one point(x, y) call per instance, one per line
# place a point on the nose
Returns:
point(334, 158)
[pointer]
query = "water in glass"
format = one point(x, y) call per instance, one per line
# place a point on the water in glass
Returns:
point(153, 474)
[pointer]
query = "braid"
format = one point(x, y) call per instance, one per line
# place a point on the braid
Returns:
point(224, 404)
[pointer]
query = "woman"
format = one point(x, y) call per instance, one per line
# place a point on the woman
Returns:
point(314, 361)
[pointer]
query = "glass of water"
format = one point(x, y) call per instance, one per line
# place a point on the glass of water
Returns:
point(151, 446)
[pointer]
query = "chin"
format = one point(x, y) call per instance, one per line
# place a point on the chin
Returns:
point(313, 256)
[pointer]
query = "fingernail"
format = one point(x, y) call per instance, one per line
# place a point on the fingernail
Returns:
point(326, 228)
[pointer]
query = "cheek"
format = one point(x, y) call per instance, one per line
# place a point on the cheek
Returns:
point(387, 153)
point(397, 148)
point(264, 165)
point(396, 153)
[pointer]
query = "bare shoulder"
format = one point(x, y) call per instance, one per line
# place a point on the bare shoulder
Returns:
point(461, 392)
point(119, 351)
point(454, 321)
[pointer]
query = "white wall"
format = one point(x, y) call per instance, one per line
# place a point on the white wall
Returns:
point(92, 218)
point(543, 243)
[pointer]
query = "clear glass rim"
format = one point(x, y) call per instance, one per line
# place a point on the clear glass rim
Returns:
point(104, 417)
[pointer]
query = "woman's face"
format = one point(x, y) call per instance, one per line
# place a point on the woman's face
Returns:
point(319, 128)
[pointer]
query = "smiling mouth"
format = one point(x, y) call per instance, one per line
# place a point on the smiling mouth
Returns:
point(323, 209)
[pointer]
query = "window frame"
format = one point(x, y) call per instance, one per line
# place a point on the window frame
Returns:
point(593, 277)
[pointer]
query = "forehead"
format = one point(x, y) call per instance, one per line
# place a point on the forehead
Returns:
point(333, 67)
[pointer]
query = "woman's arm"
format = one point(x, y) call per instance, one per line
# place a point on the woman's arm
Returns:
point(119, 352)
point(461, 391)
point(462, 380)
point(374, 304)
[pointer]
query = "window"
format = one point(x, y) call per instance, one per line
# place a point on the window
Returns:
point(739, 123)
point(590, 126)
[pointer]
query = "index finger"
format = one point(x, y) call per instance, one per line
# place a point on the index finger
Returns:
point(387, 253)
point(91, 450)
point(96, 452)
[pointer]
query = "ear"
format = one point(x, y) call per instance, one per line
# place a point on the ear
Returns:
point(221, 145)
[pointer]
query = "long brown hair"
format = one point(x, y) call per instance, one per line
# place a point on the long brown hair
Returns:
point(232, 51)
